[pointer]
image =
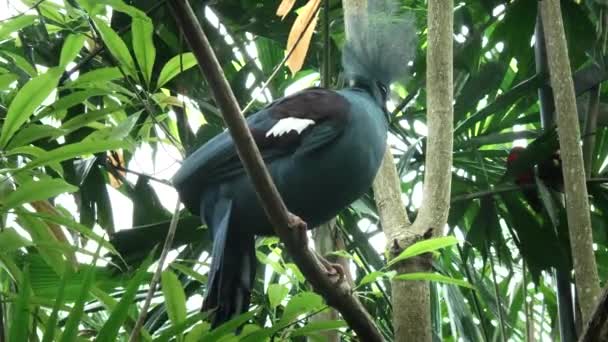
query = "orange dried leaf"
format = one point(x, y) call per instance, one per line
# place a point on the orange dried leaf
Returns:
point(307, 14)
point(285, 7)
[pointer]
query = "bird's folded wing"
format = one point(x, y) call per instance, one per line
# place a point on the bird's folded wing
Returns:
point(278, 130)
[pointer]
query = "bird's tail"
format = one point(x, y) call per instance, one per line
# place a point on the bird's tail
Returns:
point(232, 271)
point(380, 41)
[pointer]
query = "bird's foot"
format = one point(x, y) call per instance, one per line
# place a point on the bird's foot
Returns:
point(333, 270)
point(299, 227)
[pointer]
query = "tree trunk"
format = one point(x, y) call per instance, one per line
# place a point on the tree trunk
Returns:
point(411, 299)
point(577, 205)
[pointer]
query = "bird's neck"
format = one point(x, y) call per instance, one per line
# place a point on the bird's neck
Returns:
point(366, 85)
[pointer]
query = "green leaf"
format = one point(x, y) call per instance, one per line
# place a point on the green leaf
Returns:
point(36, 191)
point(84, 119)
point(228, 327)
point(197, 332)
point(49, 332)
point(174, 66)
point(100, 75)
point(301, 303)
point(75, 150)
point(71, 47)
point(70, 224)
point(175, 299)
point(189, 272)
point(19, 327)
point(75, 98)
point(70, 331)
point(33, 93)
point(116, 45)
point(118, 132)
point(143, 46)
point(9, 26)
point(35, 152)
point(276, 293)
point(32, 133)
point(318, 326)
point(120, 312)
point(373, 276)
point(10, 241)
point(22, 63)
point(436, 277)
point(177, 330)
point(424, 246)
point(6, 80)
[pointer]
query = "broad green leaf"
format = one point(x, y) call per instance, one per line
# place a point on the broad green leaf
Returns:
point(84, 119)
point(49, 332)
point(36, 191)
point(6, 80)
point(301, 303)
point(22, 63)
point(425, 246)
point(197, 332)
point(33, 93)
point(143, 46)
point(436, 277)
point(116, 45)
point(73, 99)
point(47, 244)
point(31, 133)
point(371, 277)
point(121, 131)
point(175, 299)
point(318, 326)
point(35, 152)
point(174, 66)
point(177, 330)
point(10, 240)
point(70, 332)
point(120, 312)
point(71, 47)
point(276, 293)
point(75, 150)
point(189, 272)
point(70, 224)
point(9, 26)
point(20, 324)
point(228, 327)
point(96, 76)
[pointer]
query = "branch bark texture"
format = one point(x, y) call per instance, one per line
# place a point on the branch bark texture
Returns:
point(411, 299)
point(287, 227)
point(577, 204)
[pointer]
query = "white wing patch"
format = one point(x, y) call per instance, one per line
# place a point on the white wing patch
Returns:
point(289, 124)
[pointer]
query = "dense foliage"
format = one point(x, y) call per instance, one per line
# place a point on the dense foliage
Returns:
point(99, 101)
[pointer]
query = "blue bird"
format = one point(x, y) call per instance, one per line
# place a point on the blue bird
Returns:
point(322, 148)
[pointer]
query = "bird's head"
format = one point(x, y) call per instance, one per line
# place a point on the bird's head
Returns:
point(525, 176)
point(376, 89)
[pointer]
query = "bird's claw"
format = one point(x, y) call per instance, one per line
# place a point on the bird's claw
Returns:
point(334, 271)
point(298, 226)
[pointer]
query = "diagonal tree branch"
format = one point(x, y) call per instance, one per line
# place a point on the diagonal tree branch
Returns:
point(289, 228)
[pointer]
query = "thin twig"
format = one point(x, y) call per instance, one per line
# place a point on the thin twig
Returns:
point(161, 261)
point(158, 180)
point(23, 13)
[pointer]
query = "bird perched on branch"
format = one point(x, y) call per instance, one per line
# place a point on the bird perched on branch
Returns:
point(549, 171)
point(322, 148)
